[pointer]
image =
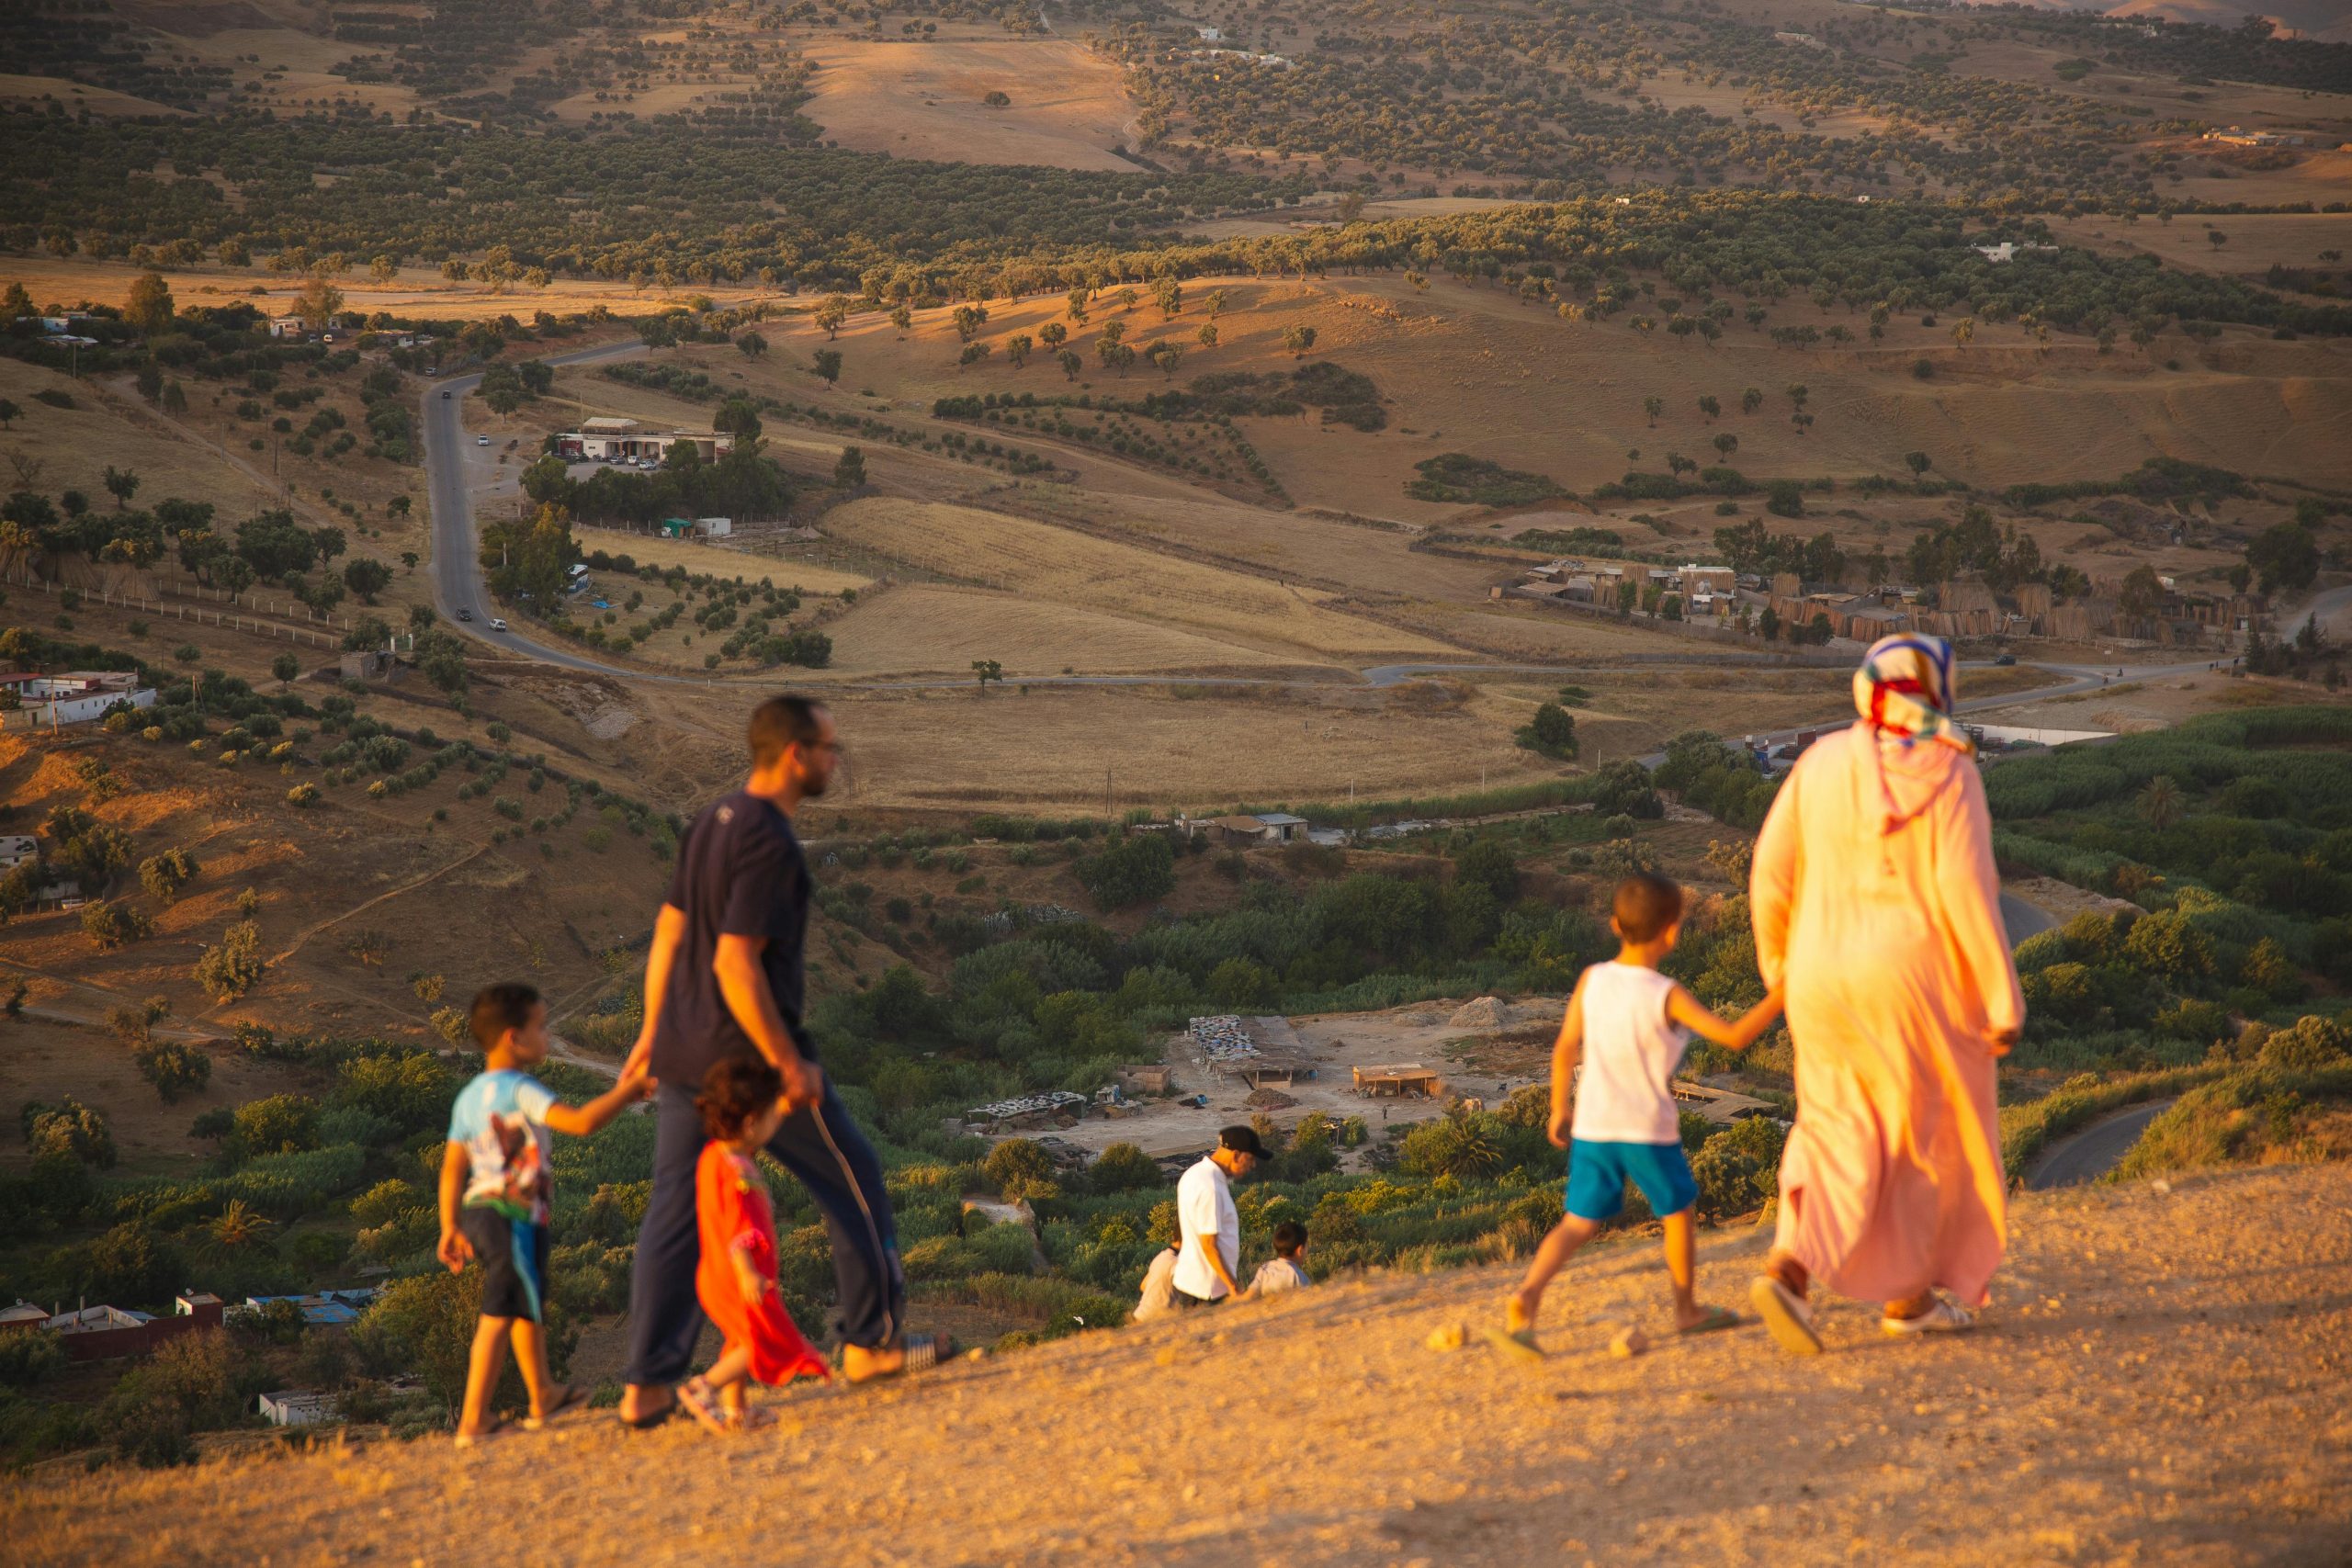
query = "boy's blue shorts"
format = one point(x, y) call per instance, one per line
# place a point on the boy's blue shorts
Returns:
point(1598, 1174)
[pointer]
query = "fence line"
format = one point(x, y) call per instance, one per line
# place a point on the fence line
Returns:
point(270, 629)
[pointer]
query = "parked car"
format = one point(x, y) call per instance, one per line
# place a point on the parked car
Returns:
point(444, 394)
point(2005, 660)
point(464, 614)
point(496, 625)
point(482, 440)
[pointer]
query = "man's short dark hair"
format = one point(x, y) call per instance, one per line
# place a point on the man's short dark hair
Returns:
point(1289, 1236)
point(498, 1008)
point(789, 719)
point(1645, 905)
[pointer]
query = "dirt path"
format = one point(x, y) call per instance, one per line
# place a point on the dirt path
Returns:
point(410, 886)
point(2161, 1380)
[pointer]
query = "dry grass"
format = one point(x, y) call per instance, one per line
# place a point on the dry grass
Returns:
point(76, 446)
point(750, 561)
point(2119, 1313)
point(47, 1061)
point(924, 101)
point(1197, 747)
point(414, 291)
point(1058, 566)
point(920, 630)
point(79, 95)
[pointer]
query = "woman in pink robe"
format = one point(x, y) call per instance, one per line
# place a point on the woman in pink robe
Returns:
point(1877, 912)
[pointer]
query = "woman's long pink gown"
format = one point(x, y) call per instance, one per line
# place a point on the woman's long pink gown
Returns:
point(1896, 970)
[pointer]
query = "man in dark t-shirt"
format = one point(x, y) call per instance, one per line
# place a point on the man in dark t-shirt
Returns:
point(725, 979)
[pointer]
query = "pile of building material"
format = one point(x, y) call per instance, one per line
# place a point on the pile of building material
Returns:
point(1480, 1013)
point(1028, 1111)
point(1222, 1038)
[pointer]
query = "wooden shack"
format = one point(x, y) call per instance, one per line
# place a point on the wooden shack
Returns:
point(1399, 1080)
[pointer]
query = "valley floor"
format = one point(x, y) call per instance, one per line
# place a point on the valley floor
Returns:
point(2161, 1378)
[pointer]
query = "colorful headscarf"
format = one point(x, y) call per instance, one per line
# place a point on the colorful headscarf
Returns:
point(1903, 691)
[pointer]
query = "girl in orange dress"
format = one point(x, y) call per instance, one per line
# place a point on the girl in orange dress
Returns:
point(741, 1104)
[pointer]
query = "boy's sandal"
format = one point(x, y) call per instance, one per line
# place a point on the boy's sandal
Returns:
point(695, 1396)
point(468, 1439)
point(1717, 1319)
point(573, 1394)
point(1519, 1346)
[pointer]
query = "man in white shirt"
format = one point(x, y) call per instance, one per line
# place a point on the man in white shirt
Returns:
point(1208, 1227)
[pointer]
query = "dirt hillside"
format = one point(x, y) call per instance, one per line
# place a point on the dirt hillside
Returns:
point(2160, 1379)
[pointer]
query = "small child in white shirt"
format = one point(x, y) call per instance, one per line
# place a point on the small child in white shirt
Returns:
point(1284, 1272)
point(1626, 1021)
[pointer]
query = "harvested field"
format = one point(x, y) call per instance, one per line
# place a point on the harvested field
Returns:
point(924, 100)
point(922, 629)
point(1058, 566)
point(1199, 747)
point(749, 560)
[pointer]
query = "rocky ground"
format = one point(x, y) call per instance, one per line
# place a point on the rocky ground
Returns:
point(2162, 1378)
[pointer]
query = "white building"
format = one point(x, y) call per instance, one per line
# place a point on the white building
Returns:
point(613, 439)
point(16, 849)
point(296, 1407)
point(50, 701)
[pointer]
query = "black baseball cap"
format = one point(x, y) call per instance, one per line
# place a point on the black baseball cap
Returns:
point(1241, 1141)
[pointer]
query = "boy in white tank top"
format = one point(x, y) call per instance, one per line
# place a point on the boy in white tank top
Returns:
point(1626, 1022)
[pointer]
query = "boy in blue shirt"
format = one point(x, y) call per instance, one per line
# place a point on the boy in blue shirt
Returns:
point(494, 1192)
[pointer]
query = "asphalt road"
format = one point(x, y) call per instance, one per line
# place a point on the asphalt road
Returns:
point(449, 455)
point(2095, 1150)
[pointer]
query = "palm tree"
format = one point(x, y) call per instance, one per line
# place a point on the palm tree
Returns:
point(238, 1227)
point(2160, 803)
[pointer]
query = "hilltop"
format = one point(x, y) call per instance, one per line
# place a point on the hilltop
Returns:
point(2132, 1397)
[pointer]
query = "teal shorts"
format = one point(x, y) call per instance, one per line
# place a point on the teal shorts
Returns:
point(1598, 1174)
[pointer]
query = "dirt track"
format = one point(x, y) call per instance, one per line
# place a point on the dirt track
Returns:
point(2161, 1380)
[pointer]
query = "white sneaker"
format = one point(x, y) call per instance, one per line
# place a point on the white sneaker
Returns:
point(1942, 1318)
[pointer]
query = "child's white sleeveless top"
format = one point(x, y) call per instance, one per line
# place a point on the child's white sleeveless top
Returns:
point(1625, 1088)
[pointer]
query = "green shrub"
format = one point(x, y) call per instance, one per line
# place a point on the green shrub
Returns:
point(174, 1066)
point(1129, 871)
point(230, 967)
point(1738, 1168)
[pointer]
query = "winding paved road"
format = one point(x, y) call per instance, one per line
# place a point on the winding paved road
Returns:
point(2096, 1149)
point(456, 569)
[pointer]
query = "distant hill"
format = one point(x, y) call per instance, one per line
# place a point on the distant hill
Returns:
point(2325, 21)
